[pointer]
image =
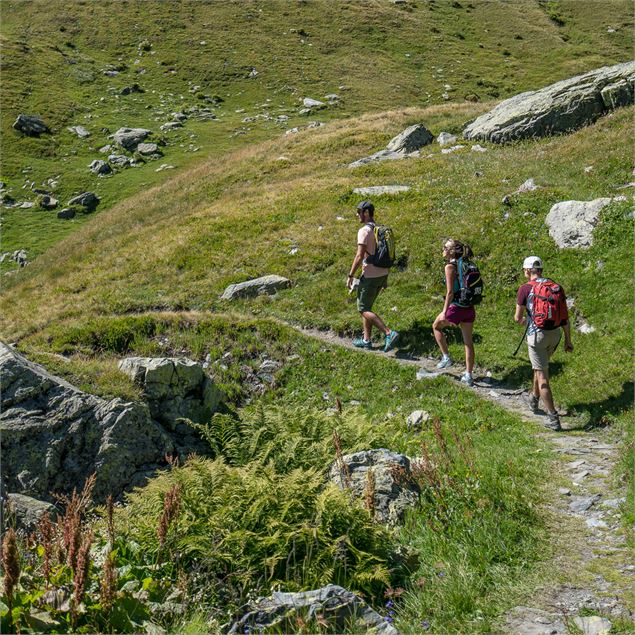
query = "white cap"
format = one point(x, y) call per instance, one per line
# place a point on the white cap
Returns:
point(532, 262)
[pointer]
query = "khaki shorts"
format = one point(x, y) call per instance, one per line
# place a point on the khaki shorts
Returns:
point(542, 345)
point(368, 290)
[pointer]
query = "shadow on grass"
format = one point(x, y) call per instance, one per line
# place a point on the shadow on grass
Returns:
point(601, 412)
point(419, 340)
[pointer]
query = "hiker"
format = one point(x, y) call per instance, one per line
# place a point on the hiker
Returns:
point(546, 306)
point(372, 280)
point(453, 313)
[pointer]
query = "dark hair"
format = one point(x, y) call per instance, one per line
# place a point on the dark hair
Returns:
point(459, 249)
point(366, 206)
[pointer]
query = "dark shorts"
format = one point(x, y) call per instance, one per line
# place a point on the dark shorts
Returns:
point(457, 314)
point(368, 290)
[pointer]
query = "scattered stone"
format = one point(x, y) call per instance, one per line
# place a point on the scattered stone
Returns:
point(422, 373)
point(54, 436)
point(130, 138)
point(18, 256)
point(88, 200)
point(175, 387)
point(451, 149)
point(30, 125)
point(528, 186)
point(332, 98)
point(258, 286)
point(571, 223)
point(411, 139)
point(564, 491)
point(313, 104)
point(445, 139)
point(528, 621)
point(560, 107)
point(378, 190)
point(48, 202)
point(332, 604)
point(119, 160)
point(583, 503)
point(596, 523)
point(593, 625)
point(25, 512)
point(148, 149)
point(164, 166)
point(253, 73)
point(417, 418)
point(394, 490)
point(100, 167)
point(135, 88)
point(106, 148)
point(171, 125)
point(80, 131)
point(67, 213)
point(26, 205)
point(585, 328)
point(478, 148)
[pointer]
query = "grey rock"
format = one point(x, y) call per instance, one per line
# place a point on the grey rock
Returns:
point(341, 609)
point(175, 387)
point(528, 621)
point(451, 149)
point(411, 139)
point(446, 139)
point(571, 223)
point(593, 625)
point(382, 155)
point(30, 125)
point(25, 512)
point(528, 186)
point(48, 202)
point(106, 148)
point(80, 131)
point(148, 149)
point(478, 148)
point(88, 200)
point(417, 418)
point(100, 167)
point(26, 205)
point(561, 107)
point(130, 138)
point(313, 104)
point(19, 256)
point(119, 160)
point(54, 436)
point(258, 286)
point(394, 490)
point(332, 97)
point(179, 116)
point(378, 190)
point(564, 491)
point(581, 504)
point(128, 90)
point(67, 213)
point(171, 125)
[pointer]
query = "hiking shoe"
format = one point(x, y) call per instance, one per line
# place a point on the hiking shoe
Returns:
point(362, 343)
point(532, 401)
point(467, 378)
point(391, 338)
point(446, 362)
point(553, 422)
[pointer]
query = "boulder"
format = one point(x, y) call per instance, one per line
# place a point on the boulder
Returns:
point(148, 149)
point(20, 257)
point(25, 512)
point(446, 139)
point(80, 131)
point(175, 387)
point(561, 107)
point(341, 610)
point(100, 167)
point(258, 286)
point(171, 125)
point(411, 139)
point(571, 223)
point(119, 160)
point(30, 125)
point(593, 625)
point(88, 200)
point(378, 190)
point(67, 213)
point(53, 436)
point(395, 491)
point(48, 202)
point(313, 104)
point(130, 138)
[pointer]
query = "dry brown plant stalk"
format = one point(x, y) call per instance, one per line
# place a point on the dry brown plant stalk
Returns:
point(47, 532)
point(171, 505)
point(339, 458)
point(10, 566)
point(369, 493)
point(80, 575)
point(108, 583)
point(110, 520)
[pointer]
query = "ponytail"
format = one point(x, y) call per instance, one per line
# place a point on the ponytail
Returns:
point(461, 250)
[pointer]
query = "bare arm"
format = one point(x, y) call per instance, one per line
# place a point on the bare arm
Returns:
point(357, 261)
point(519, 316)
point(568, 345)
point(450, 273)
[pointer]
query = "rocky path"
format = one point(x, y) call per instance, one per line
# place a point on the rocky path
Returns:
point(592, 573)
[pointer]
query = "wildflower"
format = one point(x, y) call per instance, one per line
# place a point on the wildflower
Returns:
point(425, 625)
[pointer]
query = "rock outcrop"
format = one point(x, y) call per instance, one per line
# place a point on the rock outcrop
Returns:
point(571, 223)
point(338, 608)
point(130, 138)
point(561, 107)
point(393, 487)
point(378, 190)
point(30, 125)
point(24, 512)
point(405, 144)
point(88, 200)
point(175, 387)
point(258, 286)
point(53, 436)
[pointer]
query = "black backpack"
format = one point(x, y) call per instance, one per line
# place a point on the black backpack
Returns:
point(384, 255)
point(470, 290)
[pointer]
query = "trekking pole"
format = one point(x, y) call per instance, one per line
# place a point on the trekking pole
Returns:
point(521, 340)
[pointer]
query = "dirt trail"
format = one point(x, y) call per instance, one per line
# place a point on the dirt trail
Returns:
point(591, 553)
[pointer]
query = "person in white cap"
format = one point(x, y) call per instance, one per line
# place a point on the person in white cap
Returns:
point(545, 303)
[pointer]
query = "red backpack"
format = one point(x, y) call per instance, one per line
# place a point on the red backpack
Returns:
point(548, 304)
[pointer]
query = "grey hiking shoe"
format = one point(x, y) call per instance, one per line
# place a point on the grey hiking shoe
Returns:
point(466, 378)
point(553, 422)
point(532, 401)
point(445, 362)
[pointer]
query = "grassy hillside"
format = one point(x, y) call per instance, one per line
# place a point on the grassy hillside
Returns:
point(375, 55)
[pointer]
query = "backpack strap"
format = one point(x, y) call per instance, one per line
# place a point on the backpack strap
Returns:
point(459, 266)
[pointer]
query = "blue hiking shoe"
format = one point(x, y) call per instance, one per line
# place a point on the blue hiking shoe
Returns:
point(362, 343)
point(390, 340)
point(446, 362)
